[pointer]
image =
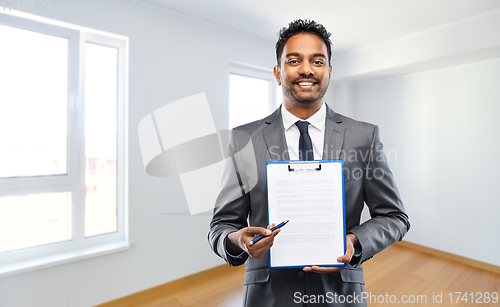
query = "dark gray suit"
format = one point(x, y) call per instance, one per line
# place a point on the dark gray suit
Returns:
point(367, 179)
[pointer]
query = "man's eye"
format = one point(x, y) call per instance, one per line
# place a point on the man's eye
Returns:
point(293, 62)
point(318, 62)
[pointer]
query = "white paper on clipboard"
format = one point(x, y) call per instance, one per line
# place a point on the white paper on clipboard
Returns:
point(311, 195)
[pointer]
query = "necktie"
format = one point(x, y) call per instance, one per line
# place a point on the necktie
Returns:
point(305, 144)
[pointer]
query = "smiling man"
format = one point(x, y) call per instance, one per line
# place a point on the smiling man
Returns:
point(305, 128)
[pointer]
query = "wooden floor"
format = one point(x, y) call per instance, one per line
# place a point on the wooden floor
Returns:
point(396, 271)
point(401, 271)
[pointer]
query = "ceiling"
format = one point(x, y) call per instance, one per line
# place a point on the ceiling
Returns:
point(353, 23)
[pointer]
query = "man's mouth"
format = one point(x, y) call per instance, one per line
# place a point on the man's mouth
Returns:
point(306, 84)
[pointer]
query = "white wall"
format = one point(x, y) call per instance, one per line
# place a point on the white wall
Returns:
point(444, 126)
point(435, 95)
point(171, 57)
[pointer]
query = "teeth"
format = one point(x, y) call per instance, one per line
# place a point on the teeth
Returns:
point(305, 83)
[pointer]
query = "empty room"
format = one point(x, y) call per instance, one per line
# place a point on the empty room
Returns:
point(159, 152)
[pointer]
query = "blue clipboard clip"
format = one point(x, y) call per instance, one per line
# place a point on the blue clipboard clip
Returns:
point(304, 166)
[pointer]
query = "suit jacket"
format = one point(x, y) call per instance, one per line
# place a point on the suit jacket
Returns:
point(367, 179)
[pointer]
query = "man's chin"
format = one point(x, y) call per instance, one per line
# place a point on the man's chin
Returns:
point(306, 99)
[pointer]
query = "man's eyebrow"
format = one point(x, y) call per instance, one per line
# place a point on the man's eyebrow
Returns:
point(321, 55)
point(315, 55)
point(292, 54)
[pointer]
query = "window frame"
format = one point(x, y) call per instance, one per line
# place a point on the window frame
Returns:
point(256, 72)
point(79, 247)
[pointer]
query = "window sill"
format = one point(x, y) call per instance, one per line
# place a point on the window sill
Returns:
point(38, 263)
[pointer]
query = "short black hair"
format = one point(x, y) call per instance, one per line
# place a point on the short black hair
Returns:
point(301, 26)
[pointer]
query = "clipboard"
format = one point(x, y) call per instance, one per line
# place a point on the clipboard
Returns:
point(310, 194)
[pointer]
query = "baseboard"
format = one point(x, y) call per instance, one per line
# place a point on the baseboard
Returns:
point(468, 261)
point(172, 286)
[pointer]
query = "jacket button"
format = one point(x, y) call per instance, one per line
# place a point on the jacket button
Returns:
point(301, 274)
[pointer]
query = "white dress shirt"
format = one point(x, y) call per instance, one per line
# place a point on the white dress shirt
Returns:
point(316, 132)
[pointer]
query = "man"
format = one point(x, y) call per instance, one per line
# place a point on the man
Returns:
point(303, 54)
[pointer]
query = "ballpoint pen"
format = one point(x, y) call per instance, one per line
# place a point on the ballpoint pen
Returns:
point(258, 238)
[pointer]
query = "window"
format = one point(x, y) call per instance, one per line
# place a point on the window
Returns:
point(63, 148)
point(253, 94)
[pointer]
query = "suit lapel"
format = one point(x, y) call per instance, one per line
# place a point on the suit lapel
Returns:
point(274, 136)
point(334, 135)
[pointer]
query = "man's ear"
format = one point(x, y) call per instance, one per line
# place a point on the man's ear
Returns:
point(330, 72)
point(277, 74)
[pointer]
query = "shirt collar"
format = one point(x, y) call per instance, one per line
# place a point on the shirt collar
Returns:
point(317, 120)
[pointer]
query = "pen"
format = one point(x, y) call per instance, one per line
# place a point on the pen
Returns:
point(258, 238)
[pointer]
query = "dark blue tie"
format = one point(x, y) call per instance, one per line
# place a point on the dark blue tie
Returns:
point(305, 144)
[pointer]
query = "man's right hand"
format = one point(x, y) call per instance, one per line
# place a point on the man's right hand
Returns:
point(240, 241)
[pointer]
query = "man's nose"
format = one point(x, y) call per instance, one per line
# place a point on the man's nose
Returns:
point(306, 68)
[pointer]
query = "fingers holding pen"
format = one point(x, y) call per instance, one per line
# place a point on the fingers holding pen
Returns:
point(260, 248)
point(240, 240)
point(255, 241)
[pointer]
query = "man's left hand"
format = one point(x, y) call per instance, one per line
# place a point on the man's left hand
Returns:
point(351, 241)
